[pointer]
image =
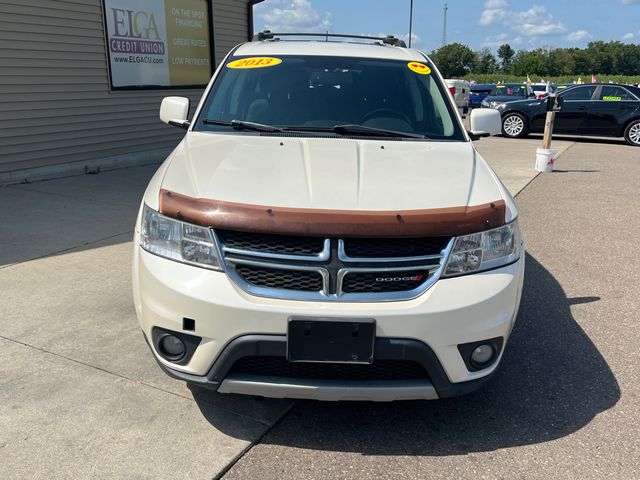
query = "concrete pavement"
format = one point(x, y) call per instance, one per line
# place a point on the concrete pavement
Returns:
point(81, 396)
point(513, 161)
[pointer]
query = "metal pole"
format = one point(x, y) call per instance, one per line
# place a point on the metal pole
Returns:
point(444, 27)
point(410, 22)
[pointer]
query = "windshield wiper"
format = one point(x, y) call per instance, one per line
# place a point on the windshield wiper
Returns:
point(242, 125)
point(379, 132)
point(339, 129)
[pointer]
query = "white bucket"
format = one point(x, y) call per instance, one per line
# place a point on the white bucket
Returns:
point(545, 159)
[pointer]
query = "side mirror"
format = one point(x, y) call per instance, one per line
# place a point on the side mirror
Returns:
point(174, 111)
point(485, 122)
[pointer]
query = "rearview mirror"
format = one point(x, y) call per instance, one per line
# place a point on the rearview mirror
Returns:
point(485, 122)
point(174, 111)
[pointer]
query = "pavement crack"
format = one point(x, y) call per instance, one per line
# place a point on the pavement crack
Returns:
point(527, 184)
point(138, 382)
point(252, 444)
point(80, 362)
point(66, 250)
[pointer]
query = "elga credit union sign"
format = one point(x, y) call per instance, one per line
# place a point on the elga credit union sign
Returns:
point(161, 43)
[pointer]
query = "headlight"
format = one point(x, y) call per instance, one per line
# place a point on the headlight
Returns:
point(485, 250)
point(179, 241)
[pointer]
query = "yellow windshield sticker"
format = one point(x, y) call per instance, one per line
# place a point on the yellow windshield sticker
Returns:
point(254, 62)
point(500, 86)
point(418, 67)
point(611, 99)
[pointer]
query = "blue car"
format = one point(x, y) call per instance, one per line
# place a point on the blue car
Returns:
point(479, 92)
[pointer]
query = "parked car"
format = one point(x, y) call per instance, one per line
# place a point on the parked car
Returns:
point(609, 110)
point(541, 90)
point(558, 87)
point(327, 230)
point(478, 92)
point(507, 92)
point(460, 92)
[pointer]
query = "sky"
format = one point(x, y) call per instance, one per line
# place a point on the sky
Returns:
point(524, 24)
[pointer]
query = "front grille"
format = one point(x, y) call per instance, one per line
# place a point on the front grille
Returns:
point(378, 370)
point(394, 247)
point(301, 280)
point(400, 281)
point(351, 269)
point(278, 244)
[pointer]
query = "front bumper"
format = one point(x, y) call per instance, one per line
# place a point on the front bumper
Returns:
point(453, 311)
point(436, 386)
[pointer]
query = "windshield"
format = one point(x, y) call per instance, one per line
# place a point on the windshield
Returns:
point(318, 93)
point(509, 91)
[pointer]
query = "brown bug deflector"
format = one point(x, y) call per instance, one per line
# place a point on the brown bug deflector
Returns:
point(453, 221)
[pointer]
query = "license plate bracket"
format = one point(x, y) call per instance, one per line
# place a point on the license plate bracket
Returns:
point(331, 340)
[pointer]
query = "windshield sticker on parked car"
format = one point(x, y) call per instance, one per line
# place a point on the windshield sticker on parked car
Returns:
point(611, 99)
point(254, 62)
point(418, 67)
point(500, 86)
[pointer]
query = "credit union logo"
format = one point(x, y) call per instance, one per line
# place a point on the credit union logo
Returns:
point(135, 31)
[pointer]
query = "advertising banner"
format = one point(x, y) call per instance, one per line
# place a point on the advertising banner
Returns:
point(158, 43)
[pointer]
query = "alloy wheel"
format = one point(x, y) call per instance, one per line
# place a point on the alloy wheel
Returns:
point(513, 125)
point(634, 133)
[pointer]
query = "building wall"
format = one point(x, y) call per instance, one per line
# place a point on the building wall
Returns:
point(231, 22)
point(55, 102)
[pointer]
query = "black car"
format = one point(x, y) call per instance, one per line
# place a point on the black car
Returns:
point(508, 92)
point(558, 87)
point(608, 110)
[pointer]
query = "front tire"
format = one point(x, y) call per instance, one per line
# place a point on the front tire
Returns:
point(632, 133)
point(515, 125)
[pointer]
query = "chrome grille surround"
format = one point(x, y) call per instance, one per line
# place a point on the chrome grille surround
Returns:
point(333, 265)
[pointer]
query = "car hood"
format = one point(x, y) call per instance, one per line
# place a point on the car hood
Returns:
point(504, 98)
point(330, 173)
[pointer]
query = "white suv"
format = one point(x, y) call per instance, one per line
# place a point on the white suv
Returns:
point(327, 230)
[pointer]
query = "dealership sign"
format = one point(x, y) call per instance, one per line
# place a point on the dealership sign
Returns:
point(158, 43)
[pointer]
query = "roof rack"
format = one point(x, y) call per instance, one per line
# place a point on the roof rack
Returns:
point(269, 35)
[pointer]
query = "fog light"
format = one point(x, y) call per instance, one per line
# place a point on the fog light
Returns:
point(482, 355)
point(172, 347)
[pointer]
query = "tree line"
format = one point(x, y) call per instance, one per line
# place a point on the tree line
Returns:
point(601, 58)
